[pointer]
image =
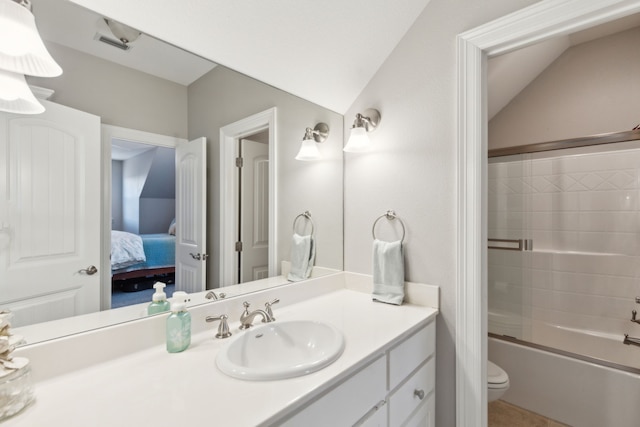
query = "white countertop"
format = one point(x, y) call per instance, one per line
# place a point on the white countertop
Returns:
point(153, 387)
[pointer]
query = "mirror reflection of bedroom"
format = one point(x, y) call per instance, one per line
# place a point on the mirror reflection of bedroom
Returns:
point(143, 206)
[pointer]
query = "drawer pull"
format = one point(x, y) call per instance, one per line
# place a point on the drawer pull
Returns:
point(419, 393)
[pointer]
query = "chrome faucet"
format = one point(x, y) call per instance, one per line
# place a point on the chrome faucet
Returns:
point(246, 318)
point(223, 328)
point(212, 295)
point(267, 308)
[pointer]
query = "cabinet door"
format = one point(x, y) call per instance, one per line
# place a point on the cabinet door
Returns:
point(425, 415)
point(348, 402)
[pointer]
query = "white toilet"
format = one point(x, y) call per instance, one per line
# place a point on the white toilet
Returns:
point(497, 381)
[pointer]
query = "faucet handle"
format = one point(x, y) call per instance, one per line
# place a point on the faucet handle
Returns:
point(267, 308)
point(223, 328)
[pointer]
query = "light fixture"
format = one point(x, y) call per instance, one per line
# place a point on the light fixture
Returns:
point(21, 48)
point(308, 148)
point(15, 95)
point(124, 33)
point(358, 138)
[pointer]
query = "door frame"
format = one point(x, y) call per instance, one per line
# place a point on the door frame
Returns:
point(108, 133)
point(538, 22)
point(229, 135)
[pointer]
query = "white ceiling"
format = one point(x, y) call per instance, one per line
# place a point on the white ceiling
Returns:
point(326, 55)
point(324, 51)
point(69, 25)
point(509, 74)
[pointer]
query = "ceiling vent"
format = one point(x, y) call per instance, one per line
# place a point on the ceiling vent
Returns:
point(112, 42)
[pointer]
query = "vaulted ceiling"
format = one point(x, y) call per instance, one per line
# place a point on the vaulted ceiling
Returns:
point(324, 51)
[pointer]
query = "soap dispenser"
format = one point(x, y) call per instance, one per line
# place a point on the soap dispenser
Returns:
point(159, 302)
point(178, 324)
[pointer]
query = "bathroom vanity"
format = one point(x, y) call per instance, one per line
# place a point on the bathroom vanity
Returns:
point(122, 375)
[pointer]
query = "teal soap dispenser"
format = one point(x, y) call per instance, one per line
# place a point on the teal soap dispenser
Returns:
point(178, 325)
point(159, 303)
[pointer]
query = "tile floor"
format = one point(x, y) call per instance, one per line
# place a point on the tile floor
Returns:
point(503, 414)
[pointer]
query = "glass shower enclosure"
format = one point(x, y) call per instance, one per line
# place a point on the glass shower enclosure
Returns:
point(564, 247)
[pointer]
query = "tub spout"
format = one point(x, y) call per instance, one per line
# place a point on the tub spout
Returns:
point(630, 340)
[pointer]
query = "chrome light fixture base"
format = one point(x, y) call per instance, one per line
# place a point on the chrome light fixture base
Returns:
point(318, 133)
point(370, 119)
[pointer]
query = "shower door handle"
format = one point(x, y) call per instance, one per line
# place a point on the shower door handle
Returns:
point(509, 244)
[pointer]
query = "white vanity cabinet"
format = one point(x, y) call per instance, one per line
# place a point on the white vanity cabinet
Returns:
point(396, 389)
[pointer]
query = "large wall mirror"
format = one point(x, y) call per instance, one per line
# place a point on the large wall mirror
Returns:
point(128, 113)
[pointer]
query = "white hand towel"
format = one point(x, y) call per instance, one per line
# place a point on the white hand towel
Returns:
point(303, 255)
point(388, 272)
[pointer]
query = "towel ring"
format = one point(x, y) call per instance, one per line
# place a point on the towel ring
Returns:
point(307, 215)
point(390, 215)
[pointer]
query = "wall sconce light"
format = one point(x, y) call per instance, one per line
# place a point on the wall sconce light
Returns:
point(312, 137)
point(358, 138)
point(21, 52)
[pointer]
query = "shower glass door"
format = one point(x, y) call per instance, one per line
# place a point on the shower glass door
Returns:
point(575, 288)
point(510, 244)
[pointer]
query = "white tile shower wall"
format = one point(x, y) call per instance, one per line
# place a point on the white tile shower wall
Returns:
point(583, 213)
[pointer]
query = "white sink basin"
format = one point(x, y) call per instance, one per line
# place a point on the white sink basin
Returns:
point(281, 350)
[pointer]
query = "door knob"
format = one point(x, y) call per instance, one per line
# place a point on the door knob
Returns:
point(419, 394)
point(90, 271)
point(195, 256)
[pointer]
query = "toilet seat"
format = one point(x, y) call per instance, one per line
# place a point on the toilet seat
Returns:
point(496, 377)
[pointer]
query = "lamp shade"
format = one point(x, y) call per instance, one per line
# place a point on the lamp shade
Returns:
point(308, 151)
point(358, 140)
point(15, 95)
point(21, 48)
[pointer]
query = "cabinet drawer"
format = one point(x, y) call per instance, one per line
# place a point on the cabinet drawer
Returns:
point(408, 355)
point(405, 400)
point(347, 402)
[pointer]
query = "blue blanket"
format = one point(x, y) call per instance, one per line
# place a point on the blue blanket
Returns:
point(160, 251)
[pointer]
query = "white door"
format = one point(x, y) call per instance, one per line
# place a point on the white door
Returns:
point(254, 211)
point(191, 214)
point(50, 214)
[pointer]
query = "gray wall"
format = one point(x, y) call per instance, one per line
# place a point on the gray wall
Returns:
point(592, 88)
point(134, 176)
point(156, 215)
point(121, 96)
point(222, 97)
point(148, 203)
point(413, 167)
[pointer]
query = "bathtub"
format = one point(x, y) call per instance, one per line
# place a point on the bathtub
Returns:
point(576, 392)
point(607, 348)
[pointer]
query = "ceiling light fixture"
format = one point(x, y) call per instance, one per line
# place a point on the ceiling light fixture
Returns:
point(358, 138)
point(312, 137)
point(124, 33)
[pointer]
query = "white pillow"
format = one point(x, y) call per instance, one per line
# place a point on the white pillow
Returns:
point(172, 227)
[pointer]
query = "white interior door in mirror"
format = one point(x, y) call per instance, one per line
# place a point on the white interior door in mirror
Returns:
point(254, 211)
point(191, 214)
point(50, 214)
